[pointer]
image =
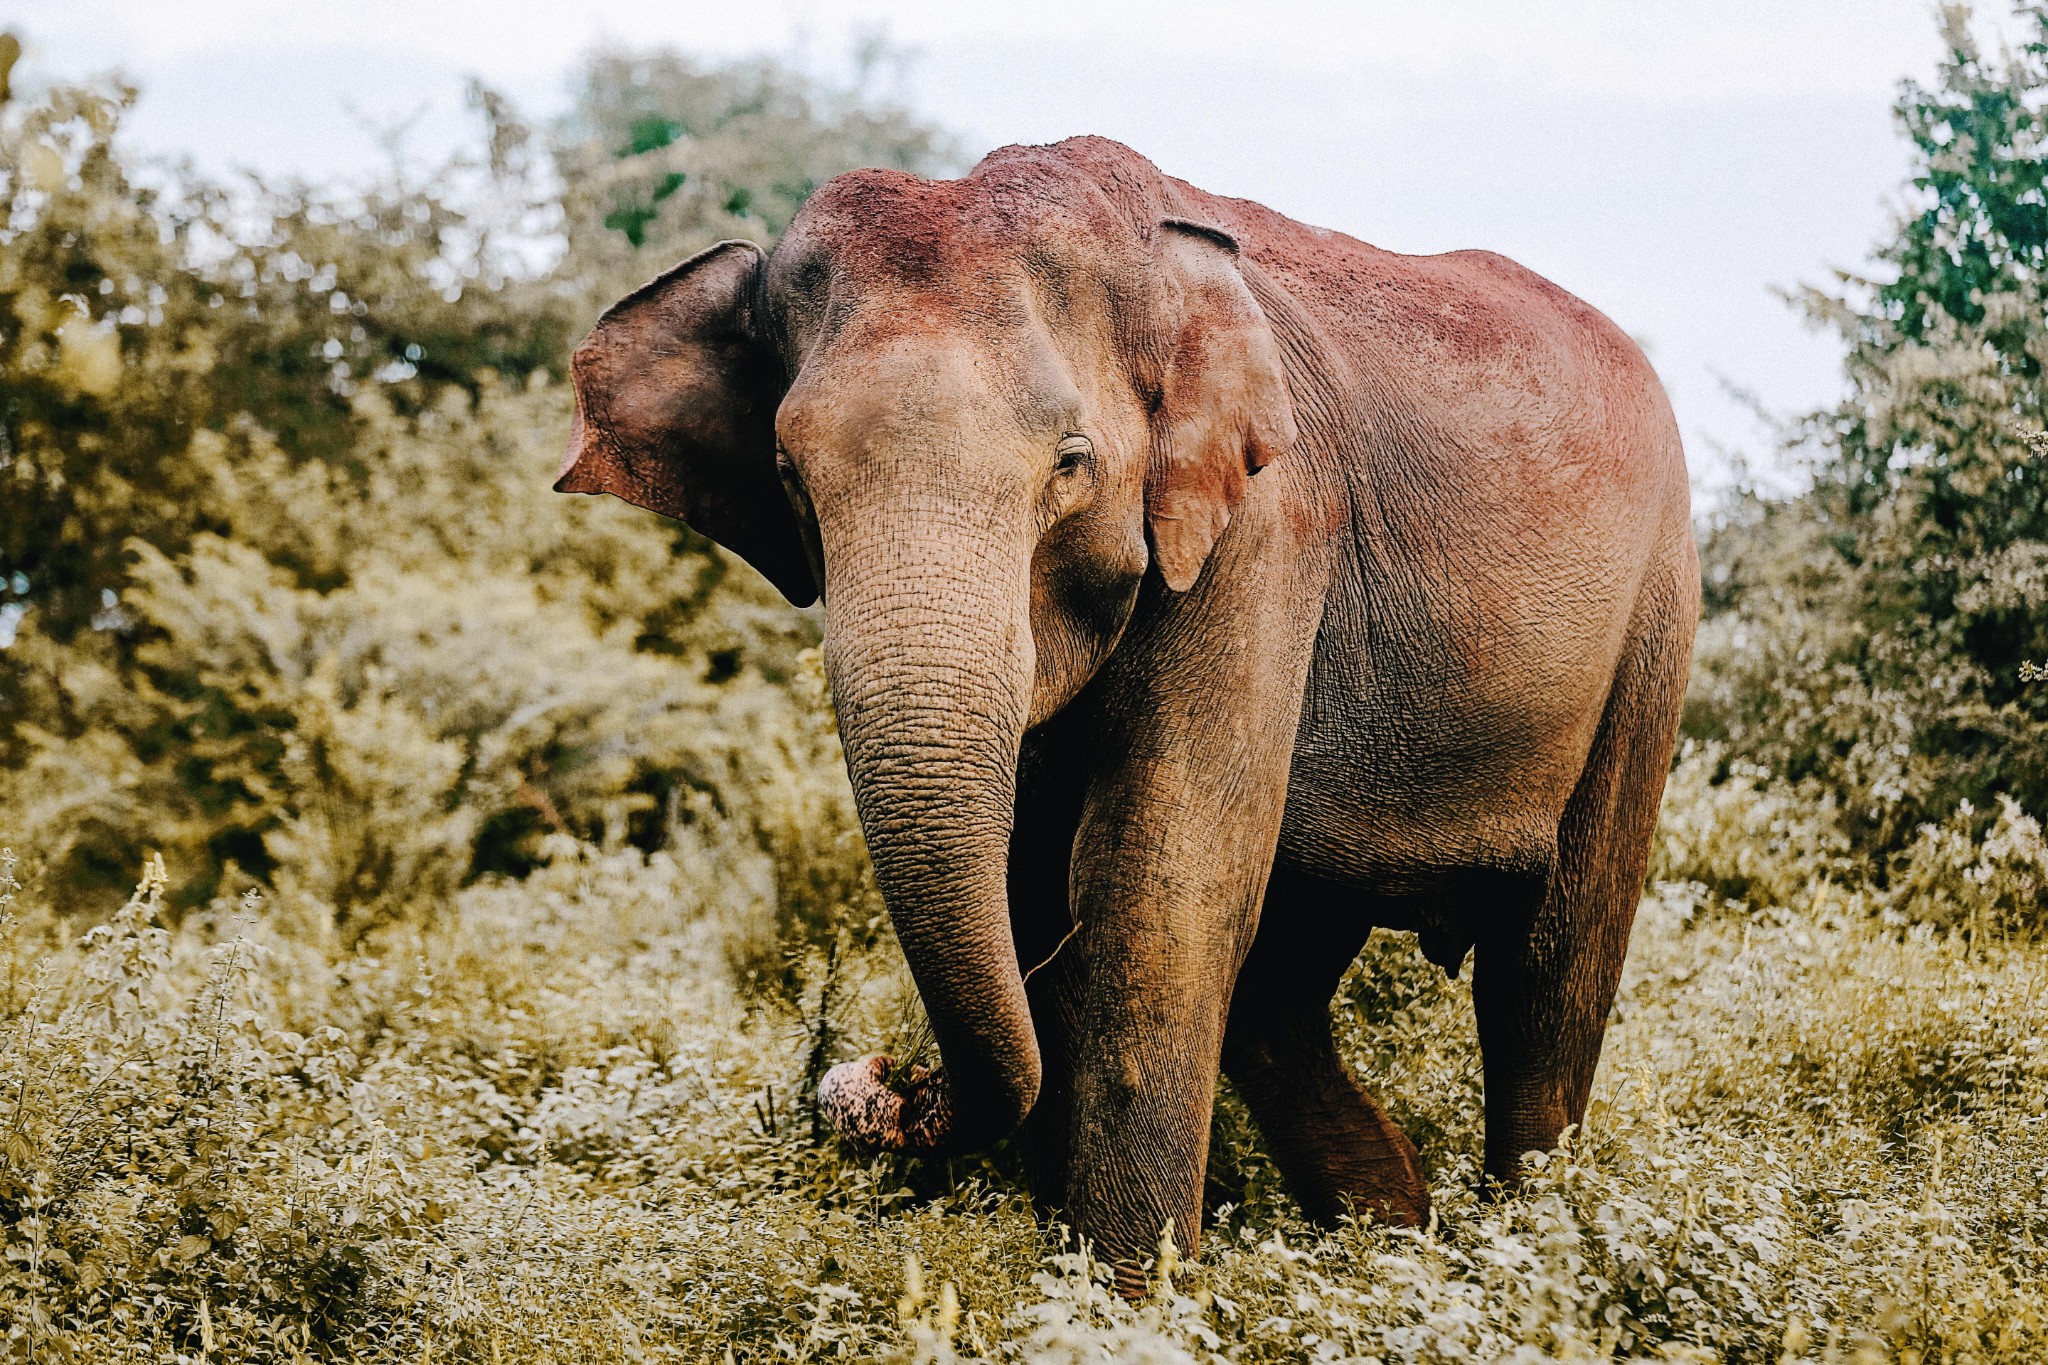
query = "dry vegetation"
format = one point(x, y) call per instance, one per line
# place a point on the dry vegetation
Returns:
point(551, 1122)
point(501, 900)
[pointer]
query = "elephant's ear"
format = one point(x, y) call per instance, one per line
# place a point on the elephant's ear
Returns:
point(675, 412)
point(1223, 411)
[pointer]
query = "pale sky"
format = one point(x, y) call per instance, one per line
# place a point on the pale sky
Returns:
point(1672, 164)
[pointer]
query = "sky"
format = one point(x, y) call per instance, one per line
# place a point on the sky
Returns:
point(1675, 165)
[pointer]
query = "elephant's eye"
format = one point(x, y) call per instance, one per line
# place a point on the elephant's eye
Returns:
point(1073, 452)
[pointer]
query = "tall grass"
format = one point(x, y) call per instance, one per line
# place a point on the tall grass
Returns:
point(560, 1120)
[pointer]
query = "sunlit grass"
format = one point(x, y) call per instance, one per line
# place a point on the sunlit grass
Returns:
point(557, 1121)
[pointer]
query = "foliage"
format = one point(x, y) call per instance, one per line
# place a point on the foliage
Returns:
point(140, 308)
point(554, 1123)
point(1879, 635)
point(364, 745)
point(286, 590)
point(663, 154)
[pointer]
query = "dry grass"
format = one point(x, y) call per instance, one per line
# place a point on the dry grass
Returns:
point(552, 1123)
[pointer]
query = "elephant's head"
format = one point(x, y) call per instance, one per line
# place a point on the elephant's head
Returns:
point(974, 414)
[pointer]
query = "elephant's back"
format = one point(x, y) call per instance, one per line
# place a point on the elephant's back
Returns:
point(1464, 352)
point(1505, 476)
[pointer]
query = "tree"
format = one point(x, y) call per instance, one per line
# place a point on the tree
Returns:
point(663, 155)
point(283, 592)
point(1876, 635)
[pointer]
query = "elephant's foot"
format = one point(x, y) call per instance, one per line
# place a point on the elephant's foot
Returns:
point(861, 1107)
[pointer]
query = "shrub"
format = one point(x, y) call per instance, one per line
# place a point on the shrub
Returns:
point(1877, 634)
point(288, 596)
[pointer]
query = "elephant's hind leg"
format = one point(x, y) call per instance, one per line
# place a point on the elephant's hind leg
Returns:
point(1542, 986)
point(1336, 1147)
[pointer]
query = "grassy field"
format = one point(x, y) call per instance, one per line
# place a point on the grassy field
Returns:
point(560, 1121)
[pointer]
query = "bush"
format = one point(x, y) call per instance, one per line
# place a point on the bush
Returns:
point(289, 598)
point(1875, 637)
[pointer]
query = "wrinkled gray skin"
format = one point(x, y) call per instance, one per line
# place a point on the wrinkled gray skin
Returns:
point(1221, 586)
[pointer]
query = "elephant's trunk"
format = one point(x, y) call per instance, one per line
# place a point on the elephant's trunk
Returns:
point(929, 652)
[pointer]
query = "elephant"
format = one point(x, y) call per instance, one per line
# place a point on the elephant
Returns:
point(1202, 590)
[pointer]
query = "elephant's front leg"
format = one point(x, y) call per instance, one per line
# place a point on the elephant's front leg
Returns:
point(1170, 865)
point(1169, 874)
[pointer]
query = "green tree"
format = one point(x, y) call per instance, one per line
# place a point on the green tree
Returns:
point(663, 154)
point(1876, 635)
